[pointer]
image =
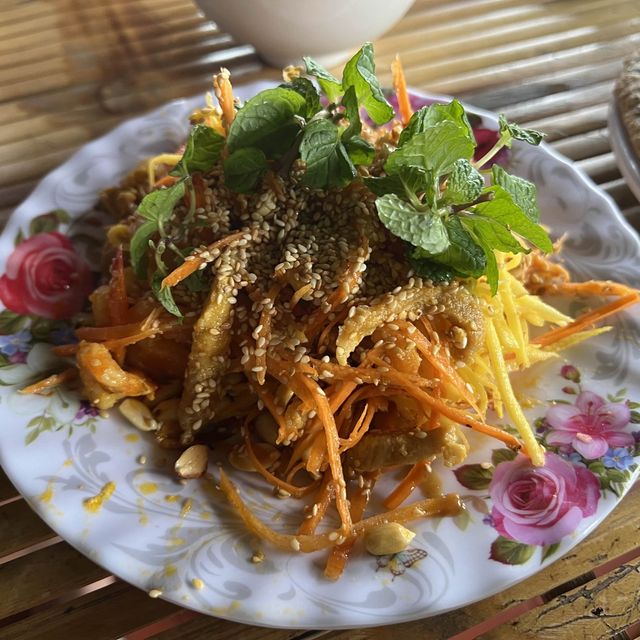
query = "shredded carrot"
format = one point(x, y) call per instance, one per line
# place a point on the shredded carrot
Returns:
point(406, 486)
point(400, 88)
point(224, 92)
point(331, 324)
point(440, 364)
point(321, 503)
point(447, 505)
point(193, 262)
point(42, 386)
point(587, 319)
point(337, 560)
point(333, 444)
point(167, 181)
point(589, 288)
point(446, 410)
point(65, 350)
point(296, 492)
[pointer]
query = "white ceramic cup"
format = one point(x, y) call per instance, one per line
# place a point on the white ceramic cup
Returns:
point(282, 31)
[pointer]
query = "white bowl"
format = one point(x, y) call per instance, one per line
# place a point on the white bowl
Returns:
point(282, 31)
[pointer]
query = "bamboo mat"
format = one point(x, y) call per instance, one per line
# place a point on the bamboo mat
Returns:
point(72, 70)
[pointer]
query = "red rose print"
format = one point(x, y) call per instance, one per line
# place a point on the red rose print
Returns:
point(44, 276)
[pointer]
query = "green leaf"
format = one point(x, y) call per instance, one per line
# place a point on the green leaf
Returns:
point(164, 295)
point(424, 229)
point(473, 476)
point(502, 455)
point(464, 184)
point(244, 168)
point(158, 205)
point(521, 191)
point(408, 180)
point(360, 73)
point(31, 436)
point(548, 550)
point(305, 88)
point(201, 152)
point(510, 552)
point(263, 115)
point(493, 234)
point(352, 113)
point(328, 82)
point(463, 256)
point(491, 269)
point(505, 210)
point(48, 222)
point(436, 149)
point(139, 245)
point(360, 151)
point(198, 281)
point(327, 162)
point(429, 270)
point(434, 114)
point(11, 322)
point(509, 131)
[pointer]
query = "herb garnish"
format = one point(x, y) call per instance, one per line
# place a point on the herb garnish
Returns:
point(433, 195)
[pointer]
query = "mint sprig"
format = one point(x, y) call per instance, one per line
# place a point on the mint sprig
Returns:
point(435, 198)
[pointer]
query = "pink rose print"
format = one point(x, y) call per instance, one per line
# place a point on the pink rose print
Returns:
point(541, 505)
point(45, 277)
point(590, 427)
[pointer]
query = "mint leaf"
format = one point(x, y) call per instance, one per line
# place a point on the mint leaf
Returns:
point(158, 205)
point(408, 180)
point(510, 552)
point(521, 191)
point(164, 295)
point(263, 115)
point(436, 149)
point(139, 245)
point(352, 112)
point(473, 476)
point(310, 94)
point(430, 270)
point(328, 82)
point(494, 234)
point(360, 73)
point(328, 164)
point(201, 152)
point(244, 168)
point(424, 229)
point(506, 211)
point(464, 184)
point(462, 255)
point(509, 131)
point(434, 114)
point(491, 269)
point(360, 151)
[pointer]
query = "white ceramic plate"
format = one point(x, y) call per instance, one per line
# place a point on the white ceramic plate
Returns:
point(59, 454)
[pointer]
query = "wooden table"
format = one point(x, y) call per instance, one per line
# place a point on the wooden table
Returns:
point(71, 70)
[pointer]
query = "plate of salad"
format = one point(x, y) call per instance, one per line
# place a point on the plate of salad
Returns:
point(319, 354)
